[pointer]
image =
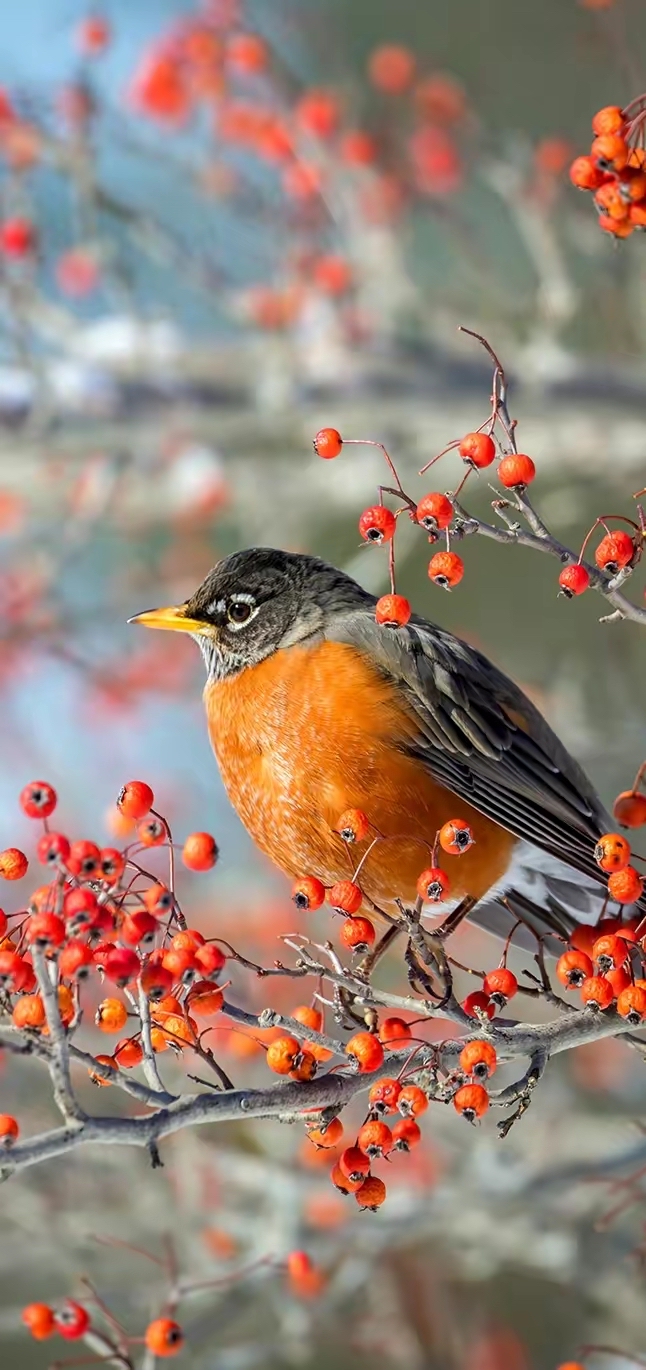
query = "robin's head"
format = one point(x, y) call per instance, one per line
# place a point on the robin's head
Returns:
point(255, 602)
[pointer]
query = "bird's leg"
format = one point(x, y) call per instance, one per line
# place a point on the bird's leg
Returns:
point(429, 951)
point(453, 919)
point(368, 962)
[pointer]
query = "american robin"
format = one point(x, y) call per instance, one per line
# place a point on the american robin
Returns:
point(313, 708)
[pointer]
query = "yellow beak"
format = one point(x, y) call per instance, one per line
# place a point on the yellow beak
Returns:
point(173, 618)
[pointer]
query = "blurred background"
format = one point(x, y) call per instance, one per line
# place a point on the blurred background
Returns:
point(222, 227)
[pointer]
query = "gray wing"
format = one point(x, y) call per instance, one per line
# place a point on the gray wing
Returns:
point(483, 739)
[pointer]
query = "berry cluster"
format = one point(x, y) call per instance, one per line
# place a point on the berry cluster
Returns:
point(614, 170)
point(441, 515)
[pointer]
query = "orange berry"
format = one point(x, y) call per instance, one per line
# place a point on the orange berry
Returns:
point(156, 979)
point(341, 1181)
point(597, 992)
point(477, 449)
point(210, 959)
point(283, 1054)
point(516, 470)
point(585, 174)
point(308, 893)
point(617, 227)
point(182, 964)
point(433, 885)
point(328, 443)
point(75, 960)
point(306, 1065)
point(372, 1193)
point(384, 1094)
point(609, 952)
point(353, 825)
point(178, 1030)
point(9, 1130)
point(317, 113)
point(39, 1318)
point(327, 1136)
point(205, 999)
point(93, 35)
point(158, 900)
point(111, 1015)
point(393, 611)
point(358, 148)
point(626, 886)
point(247, 53)
point(38, 799)
point(152, 832)
point(434, 512)
point(610, 152)
point(13, 864)
point(573, 967)
point(471, 1101)
point(164, 1337)
point(200, 851)
point(478, 1059)
point(631, 1004)
point(44, 930)
point(113, 864)
point(610, 119)
point(366, 1050)
point(29, 1012)
point(96, 1078)
point(15, 972)
point(500, 985)
point(412, 1101)
point(84, 859)
point(610, 201)
point(629, 809)
point(456, 837)
point(446, 569)
point(135, 799)
point(358, 934)
point(345, 897)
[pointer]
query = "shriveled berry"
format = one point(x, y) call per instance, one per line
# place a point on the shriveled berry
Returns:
point(478, 1059)
point(471, 1101)
point(609, 952)
point(626, 886)
point(585, 174)
point(358, 934)
point(353, 825)
point(377, 524)
point(412, 1101)
point(345, 897)
point(372, 1193)
point(393, 611)
point(308, 893)
point(384, 1094)
point(478, 449)
point(500, 984)
point(612, 852)
point(574, 580)
point(610, 152)
point(366, 1050)
point(283, 1054)
point(597, 992)
point(446, 569)
point(434, 512)
point(615, 551)
point(13, 864)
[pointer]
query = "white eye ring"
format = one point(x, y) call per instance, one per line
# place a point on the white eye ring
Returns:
point(244, 601)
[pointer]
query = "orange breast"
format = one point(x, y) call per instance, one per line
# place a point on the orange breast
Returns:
point(312, 731)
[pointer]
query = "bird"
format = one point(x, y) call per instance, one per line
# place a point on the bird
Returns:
point(314, 708)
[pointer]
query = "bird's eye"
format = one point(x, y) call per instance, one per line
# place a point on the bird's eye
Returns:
point(239, 611)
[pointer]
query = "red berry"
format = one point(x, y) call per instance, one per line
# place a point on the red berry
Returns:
point(113, 864)
point(471, 1101)
point(136, 799)
point(610, 119)
point(391, 68)
point(328, 443)
point(9, 1130)
point(317, 113)
point(573, 967)
point(500, 985)
point(626, 886)
point(446, 569)
point(38, 799)
point(358, 148)
point(93, 35)
point(479, 1000)
point(79, 909)
point(53, 849)
point(412, 1101)
point(45, 930)
point(345, 897)
point(121, 965)
point(433, 885)
point(72, 1320)
point(200, 851)
point(515, 470)
point(574, 580)
point(211, 959)
point(615, 551)
point(597, 992)
point(75, 960)
point(377, 524)
point(434, 512)
point(13, 864)
point(84, 859)
point(247, 53)
point(375, 1139)
point(479, 449)
point(138, 928)
point(15, 972)
point(358, 934)
point(393, 611)
point(17, 237)
point(384, 1094)
point(394, 1030)
point(308, 893)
